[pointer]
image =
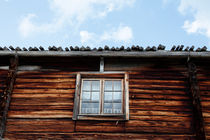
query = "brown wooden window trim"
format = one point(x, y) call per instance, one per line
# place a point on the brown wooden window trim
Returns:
point(102, 76)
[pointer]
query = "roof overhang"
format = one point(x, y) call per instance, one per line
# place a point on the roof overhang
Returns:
point(134, 54)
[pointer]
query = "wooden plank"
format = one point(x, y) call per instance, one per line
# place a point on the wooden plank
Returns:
point(150, 123)
point(162, 118)
point(41, 125)
point(41, 107)
point(42, 101)
point(41, 114)
point(8, 91)
point(159, 113)
point(89, 135)
point(197, 108)
point(44, 91)
point(157, 91)
point(187, 108)
point(45, 80)
point(140, 102)
point(42, 95)
point(157, 81)
point(76, 97)
point(158, 96)
point(61, 85)
point(126, 96)
point(159, 130)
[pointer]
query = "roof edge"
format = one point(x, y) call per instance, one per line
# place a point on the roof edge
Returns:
point(134, 54)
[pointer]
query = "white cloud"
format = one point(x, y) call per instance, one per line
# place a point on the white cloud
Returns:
point(26, 26)
point(122, 34)
point(86, 36)
point(200, 11)
point(72, 12)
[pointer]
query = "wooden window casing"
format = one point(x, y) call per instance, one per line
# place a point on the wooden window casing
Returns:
point(102, 77)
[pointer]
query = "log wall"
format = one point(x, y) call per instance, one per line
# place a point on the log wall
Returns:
point(203, 76)
point(4, 67)
point(42, 101)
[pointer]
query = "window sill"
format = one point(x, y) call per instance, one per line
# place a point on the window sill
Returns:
point(102, 117)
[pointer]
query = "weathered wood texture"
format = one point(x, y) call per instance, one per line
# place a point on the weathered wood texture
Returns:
point(159, 104)
point(203, 76)
point(5, 96)
point(3, 81)
point(196, 101)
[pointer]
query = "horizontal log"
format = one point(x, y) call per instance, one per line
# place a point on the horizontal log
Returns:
point(162, 118)
point(144, 102)
point(91, 128)
point(162, 108)
point(205, 104)
point(206, 114)
point(159, 113)
point(163, 130)
point(132, 81)
point(47, 73)
point(42, 101)
point(44, 91)
point(43, 80)
point(41, 107)
point(43, 125)
point(61, 85)
point(144, 91)
point(177, 125)
point(41, 114)
point(157, 77)
point(37, 95)
point(204, 87)
point(158, 96)
point(158, 86)
point(89, 135)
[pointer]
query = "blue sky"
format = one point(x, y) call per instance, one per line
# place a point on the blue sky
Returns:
point(97, 23)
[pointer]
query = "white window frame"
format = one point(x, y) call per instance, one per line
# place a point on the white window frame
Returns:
point(77, 115)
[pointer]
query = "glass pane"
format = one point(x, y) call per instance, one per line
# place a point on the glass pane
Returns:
point(96, 85)
point(86, 85)
point(86, 96)
point(117, 108)
point(107, 96)
point(90, 108)
point(117, 85)
point(117, 97)
point(95, 96)
point(108, 108)
point(108, 85)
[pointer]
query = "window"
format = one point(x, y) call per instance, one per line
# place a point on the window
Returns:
point(101, 96)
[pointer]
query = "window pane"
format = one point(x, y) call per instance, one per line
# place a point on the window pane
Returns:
point(95, 96)
point(108, 85)
point(107, 108)
point(107, 96)
point(117, 108)
point(117, 97)
point(90, 108)
point(86, 85)
point(117, 85)
point(96, 85)
point(86, 96)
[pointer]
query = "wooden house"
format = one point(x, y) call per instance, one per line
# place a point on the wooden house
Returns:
point(105, 93)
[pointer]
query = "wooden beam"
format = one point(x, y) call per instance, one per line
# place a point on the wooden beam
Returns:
point(8, 92)
point(126, 96)
point(124, 54)
point(76, 98)
point(196, 101)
